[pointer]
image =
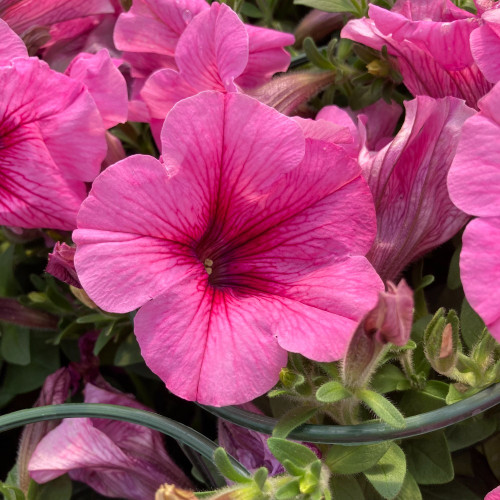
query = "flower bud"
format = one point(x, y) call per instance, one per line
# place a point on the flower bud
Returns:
point(61, 264)
point(379, 68)
point(317, 24)
point(286, 93)
point(442, 342)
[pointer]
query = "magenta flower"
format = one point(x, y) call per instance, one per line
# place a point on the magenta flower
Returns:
point(52, 142)
point(104, 82)
point(256, 247)
point(61, 264)
point(117, 459)
point(419, 36)
point(22, 15)
point(155, 26)
point(474, 185)
point(493, 494)
point(408, 182)
point(485, 44)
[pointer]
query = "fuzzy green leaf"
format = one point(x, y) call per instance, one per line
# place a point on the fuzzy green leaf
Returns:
point(332, 392)
point(410, 489)
point(10, 492)
point(288, 491)
point(293, 419)
point(57, 489)
point(346, 488)
point(389, 378)
point(382, 407)
point(429, 459)
point(298, 454)
point(16, 344)
point(388, 475)
point(226, 467)
point(354, 459)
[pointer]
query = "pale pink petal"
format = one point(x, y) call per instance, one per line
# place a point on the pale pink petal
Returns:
point(105, 84)
point(480, 270)
point(155, 25)
point(408, 182)
point(266, 57)
point(140, 241)
point(325, 307)
point(10, 44)
point(379, 121)
point(208, 335)
point(23, 14)
point(323, 130)
point(213, 50)
point(162, 90)
point(485, 45)
point(474, 178)
point(256, 145)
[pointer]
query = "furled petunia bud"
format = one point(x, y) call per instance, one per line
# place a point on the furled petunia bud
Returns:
point(317, 24)
point(442, 342)
point(61, 264)
point(286, 93)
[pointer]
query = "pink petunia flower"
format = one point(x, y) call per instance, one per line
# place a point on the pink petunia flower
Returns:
point(117, 459)
point(430, 43)
point(485, 43)
point(245, 240)
point(474, 185)
point(407, 178)
point(155, 27)
point(493, 494)
point(52, 142)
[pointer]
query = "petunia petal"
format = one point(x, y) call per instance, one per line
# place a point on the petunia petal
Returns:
point(10, 44)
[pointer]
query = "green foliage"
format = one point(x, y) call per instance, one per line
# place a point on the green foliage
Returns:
point(57, 489)
point(293, 419)
point(470, 432)
point(300, 455)
point(332, 392)
point(429, 459)
point(410, 489)
point(332, 5)
point(471, 324)
point(382, 407)
point(15, 344)
point(355, 459)
point(388, 475)
point(389, 378)
point(346, 488)
point(227, 469)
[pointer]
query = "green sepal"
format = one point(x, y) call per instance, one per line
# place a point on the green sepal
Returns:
point(332, 392)
point(11, 492)
point(429, 459)
point(354, 459)
point(293, 419)
point(315, 56)
point(471, 325)
point(382, 407)
point(226, 467)
point(288, 491)
point(388, 475)
point(298, 454)
point(291, 468)
point(260, 477)
point(389, 378)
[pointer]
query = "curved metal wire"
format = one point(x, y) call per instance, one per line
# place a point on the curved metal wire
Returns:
point(369, 432)
point(176, 430)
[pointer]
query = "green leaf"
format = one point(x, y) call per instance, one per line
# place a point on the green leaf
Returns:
point(293, 419)
point(226, 467)
point(454, 395)
point(491, 447)
point(471, 324)
point(388, 475)
point(427, 280)
point(329, 5)
point(57, 489)
point(8, 283)
point(104, 337)
point(469, 432)
point(453, 281)
point(128, 352)
point(298, 454)
point(332, 392)
point(453, 490)
point(16, 344)
point(410, 489)
point(250, 10)
point(429, 399)
point(260, 477)
point(429, 459)
point(389, 378)
point(346, 488)
point(314, 55)
point(290, 490)
point(382, 407)
point(354, 459)
point(10, 492)
point(93, 318)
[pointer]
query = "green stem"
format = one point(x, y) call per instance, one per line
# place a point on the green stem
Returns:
point(179, 432)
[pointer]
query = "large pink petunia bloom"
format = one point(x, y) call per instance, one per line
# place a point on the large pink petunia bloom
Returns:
point(407, 178)
point(155, 27)
point(117, 459)
point(244, 240)
point(493, 494)
point(474, 185)
point(52, 142)
point(430, 42)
